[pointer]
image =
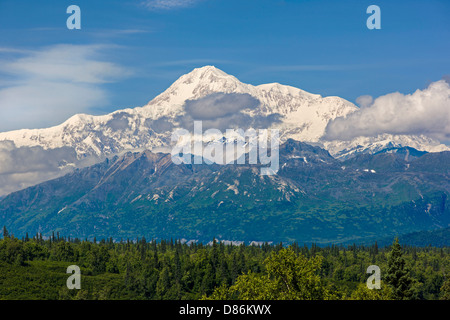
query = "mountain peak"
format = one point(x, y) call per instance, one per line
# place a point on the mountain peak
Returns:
point(208, 70)
point(205, 75)
point(196, 84)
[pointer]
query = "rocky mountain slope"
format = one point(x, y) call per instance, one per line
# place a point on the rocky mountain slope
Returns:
point(313, 198)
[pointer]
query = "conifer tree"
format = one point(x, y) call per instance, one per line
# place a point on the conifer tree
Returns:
point(5, 232)
point(397, 276)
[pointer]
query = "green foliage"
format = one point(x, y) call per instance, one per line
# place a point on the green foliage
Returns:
point(364, 293)
point(397, 276)
point(34, 268)
point(289, 276)
point(445, 290)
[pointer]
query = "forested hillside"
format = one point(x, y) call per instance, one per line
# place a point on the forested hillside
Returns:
point(34, 268)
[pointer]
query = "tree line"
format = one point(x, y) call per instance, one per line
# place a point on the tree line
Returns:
point(34, 268)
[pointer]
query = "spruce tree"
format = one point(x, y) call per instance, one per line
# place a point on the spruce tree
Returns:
point(397, 276)
point(5, 232)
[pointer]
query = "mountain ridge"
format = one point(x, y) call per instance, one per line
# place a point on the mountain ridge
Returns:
point(83, 139)
point(313, 198)
point(274, 98)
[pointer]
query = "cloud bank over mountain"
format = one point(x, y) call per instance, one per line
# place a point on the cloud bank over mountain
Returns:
point(424, 112)
point(225, 111)
point(22, 167)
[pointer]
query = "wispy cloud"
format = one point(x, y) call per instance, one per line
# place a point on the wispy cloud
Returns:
point(46, 86)
point(117, 33)
point(13, 50)
point(168, 4)
point(99, 32)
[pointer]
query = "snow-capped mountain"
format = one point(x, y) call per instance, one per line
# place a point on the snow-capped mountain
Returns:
point(304, 118)
point(301, 116)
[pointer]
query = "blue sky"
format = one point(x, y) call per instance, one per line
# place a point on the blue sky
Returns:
point(128, 51)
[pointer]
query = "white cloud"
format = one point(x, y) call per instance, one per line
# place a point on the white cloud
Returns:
point(424, 112)
point(364, 101)
point(47, 86)
point(46, 103)
point(26, 166)
point(224, 111)
point(69, 63)
point(168, 4)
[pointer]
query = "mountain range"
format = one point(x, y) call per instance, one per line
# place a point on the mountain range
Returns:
point(313, 198)
point(113, 176)
point(206, 93)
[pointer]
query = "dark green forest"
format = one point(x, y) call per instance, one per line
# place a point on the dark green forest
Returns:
point(35, 268)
